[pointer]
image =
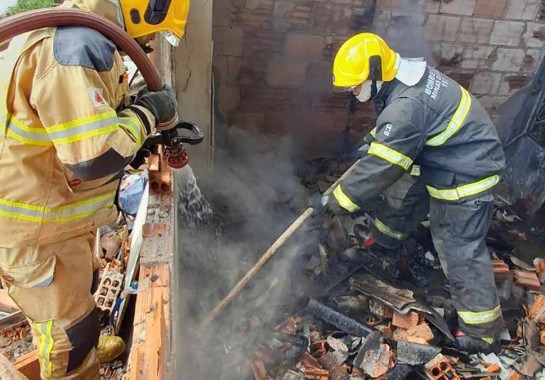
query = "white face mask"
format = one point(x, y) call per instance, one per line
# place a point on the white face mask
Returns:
point(365, 92)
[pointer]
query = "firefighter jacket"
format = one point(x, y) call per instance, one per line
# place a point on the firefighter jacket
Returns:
point(68, 131)
point(437, 125)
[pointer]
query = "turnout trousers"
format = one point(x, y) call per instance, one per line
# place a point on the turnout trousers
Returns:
point(459, 232)
point(52, 286)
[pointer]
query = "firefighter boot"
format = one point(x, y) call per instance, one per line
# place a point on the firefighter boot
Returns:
point(473, 345)
point(109, 348)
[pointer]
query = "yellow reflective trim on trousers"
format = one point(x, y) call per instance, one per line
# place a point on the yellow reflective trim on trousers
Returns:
point(464, 191)
point(480, 317)
point(456, 121)
point(45, 346)
point(70, 212)
point(388, 231)
point(390, 155)
point(344, 201)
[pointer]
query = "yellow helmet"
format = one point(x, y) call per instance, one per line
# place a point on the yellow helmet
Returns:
point(362, 57)
point(143, 17)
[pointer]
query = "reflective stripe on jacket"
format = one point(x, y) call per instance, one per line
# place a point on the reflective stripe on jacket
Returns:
point(437, 126)
point(66, 134)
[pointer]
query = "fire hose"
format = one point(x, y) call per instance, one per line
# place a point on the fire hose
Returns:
point(171, 137)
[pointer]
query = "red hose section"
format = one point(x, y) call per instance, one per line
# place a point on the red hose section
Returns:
point(45, 18)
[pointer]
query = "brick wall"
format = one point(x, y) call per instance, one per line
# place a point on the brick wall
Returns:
point(274, 57)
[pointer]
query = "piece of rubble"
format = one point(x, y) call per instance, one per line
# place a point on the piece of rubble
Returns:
point(537, 310)
point(109, 290)
point(528, 365)
point(500, 268)
point(439, 368)
point(530, 334)
point(391, 296)
point(292, 375)
point(399, 372)
point(422, 332)
point(376, 362)
point(406, 321)
point(379, 309)
point(415, 354)
point(521, 264)
point(527, 279)
point(341, 321)
point(336, 344)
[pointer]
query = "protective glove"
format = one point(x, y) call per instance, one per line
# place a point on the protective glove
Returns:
point(319, 203)
point(162, 104)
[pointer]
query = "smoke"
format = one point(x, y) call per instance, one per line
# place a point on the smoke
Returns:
point(255, 194)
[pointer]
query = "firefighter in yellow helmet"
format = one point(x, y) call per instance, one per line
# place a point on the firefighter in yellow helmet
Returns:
point(426, 119)
point(69, 129)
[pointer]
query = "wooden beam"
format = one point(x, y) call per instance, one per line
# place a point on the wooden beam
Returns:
point(29, 365)
point(9, 372)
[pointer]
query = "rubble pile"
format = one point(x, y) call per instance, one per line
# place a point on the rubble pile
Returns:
point(386, 313)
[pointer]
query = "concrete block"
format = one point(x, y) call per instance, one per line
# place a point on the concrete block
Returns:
point(485, 83)
point(255, 4)
point(221, 13)
point(508, 59)
point(458, 7)
point(389, 4)
point(475, 30)
point(304, 46)
point(429, 6)
point(332, 18)
point(506, 33)
point(442, 28)
point(286, 73)
point(490, 8)
point(491, 103)
point(250, 121)
point(228, 41)
point(535, 35)
point(531, 60)
point(476, 56)
point(228, 98)
point(283, 9)
point(522, 9)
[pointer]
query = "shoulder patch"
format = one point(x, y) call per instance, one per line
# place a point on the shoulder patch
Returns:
point(82, 46)
point(96, 97)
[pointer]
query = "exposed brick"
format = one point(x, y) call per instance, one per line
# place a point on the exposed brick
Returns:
point(332, 18)
point(228, 98)
point(475, 30)
point(221, 13)
point(442, 28)
point(476, 56)
point(252, 18)
point(362, 19)
point(508, 59)
point(301, 17)
point(228, 41)
point(304, 46)
point(522, 9)
point(527, 279)
point(506, 33)
point(490, 8)
point(263, 44)
point(406, 321)
point(463, 79)
point(283, 9)
point(485, 83)
point(286, 73)
point(535, 35)
point(458, 7)
point(516, 82)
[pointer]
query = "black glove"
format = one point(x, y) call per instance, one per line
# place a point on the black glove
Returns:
point(162, 104)
point(319, 203)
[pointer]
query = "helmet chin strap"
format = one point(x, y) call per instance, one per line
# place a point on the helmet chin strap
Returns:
point(374, 89)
